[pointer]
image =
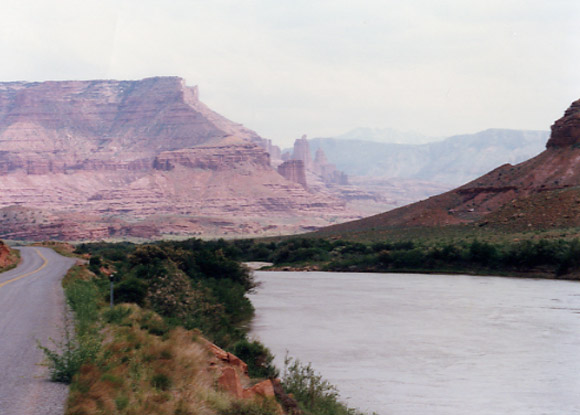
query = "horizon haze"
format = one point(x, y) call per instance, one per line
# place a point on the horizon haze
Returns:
point(319, 68)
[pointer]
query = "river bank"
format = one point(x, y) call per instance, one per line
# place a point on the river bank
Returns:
point(546, 259)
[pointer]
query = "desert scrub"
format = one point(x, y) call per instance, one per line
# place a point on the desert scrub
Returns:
point(258, 358)
point(66, 357)
point(138, 372)
point(315, 395)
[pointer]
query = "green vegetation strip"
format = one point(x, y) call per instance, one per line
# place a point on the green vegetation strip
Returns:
point(544, 258)
point(147, 355)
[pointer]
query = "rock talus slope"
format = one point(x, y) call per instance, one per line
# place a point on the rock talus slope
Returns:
point(98, 159)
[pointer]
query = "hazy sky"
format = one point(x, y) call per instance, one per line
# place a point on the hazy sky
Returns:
point(317, 67)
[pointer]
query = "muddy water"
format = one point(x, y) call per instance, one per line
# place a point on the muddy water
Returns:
point(424, 344)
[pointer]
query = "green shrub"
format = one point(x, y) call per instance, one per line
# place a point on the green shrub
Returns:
point(257, 357)
point(69, 355)
point(315, 395)
point(161, 381)
point(121, 402)
point(117, 314)
point(482, 253)
point(131, 290)
point(73, 351)
point(82, 297)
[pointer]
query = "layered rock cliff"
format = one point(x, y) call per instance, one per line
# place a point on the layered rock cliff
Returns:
point(294, 171)
point(94, 159)
point(566, 130)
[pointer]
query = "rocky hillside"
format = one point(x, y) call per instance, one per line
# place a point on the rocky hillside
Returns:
point(99, 159)
point(543, 192)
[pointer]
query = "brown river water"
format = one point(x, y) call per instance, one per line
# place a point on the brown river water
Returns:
point(405, 344)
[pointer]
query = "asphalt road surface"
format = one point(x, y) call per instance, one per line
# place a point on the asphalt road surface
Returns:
point(31, 310)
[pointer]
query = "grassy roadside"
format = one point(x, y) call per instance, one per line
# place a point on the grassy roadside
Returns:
point(131, 359)
point(128, 360)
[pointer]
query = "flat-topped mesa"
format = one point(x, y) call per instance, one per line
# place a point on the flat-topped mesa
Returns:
point(566, 130)
point(144, 158)
point(40, 122)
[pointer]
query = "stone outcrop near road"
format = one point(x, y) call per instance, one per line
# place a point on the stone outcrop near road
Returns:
point(99, 159)
point(4, 255)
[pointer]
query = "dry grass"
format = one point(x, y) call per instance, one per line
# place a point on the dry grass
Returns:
point(143, 373)
point(77, 272)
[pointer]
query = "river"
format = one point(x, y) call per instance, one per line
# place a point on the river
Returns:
point(409, 344)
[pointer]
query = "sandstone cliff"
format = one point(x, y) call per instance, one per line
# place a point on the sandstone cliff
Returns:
point(566, 130)
point(294, 171)
point(98, 159)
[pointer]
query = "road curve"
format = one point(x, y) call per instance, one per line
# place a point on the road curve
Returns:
point(31, 310)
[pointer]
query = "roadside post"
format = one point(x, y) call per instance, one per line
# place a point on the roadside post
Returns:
point(112, 279)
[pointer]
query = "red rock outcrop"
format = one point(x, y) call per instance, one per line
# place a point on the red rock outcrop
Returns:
point(233, 377)
point(4, 255)
point(139, 158)
point(264, 389)
point(566, 130)
point(229, 380)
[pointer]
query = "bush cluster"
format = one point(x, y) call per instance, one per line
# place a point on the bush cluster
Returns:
point(315, 394)
point(194, 284)
point(558, 258)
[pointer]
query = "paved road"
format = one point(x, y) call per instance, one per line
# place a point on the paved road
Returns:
point(31, 310)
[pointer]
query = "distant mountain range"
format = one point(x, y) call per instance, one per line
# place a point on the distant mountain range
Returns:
point(451, 162)
point(540, 193)
point(385, 135)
